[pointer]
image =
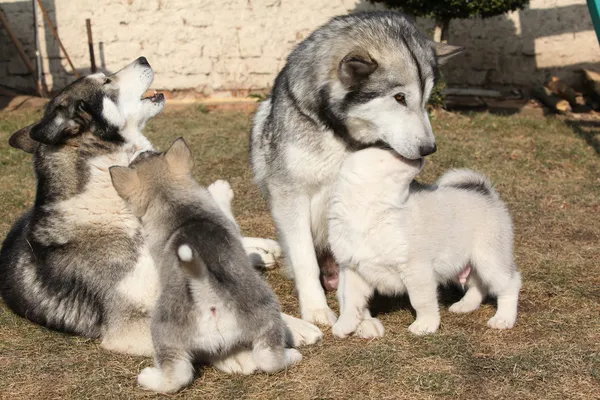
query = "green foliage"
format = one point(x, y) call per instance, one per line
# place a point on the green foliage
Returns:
point(449, 9)
point(258, 96)
point(437, 98)
point(202, 108)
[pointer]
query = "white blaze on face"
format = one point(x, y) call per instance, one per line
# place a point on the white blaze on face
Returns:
point(405, 127)
point(112, 114)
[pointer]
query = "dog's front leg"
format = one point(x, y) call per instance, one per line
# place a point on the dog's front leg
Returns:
point(292, 216)
point(263, 253)
point(353, 295)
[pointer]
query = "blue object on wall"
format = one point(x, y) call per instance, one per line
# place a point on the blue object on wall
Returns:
point(594, 7)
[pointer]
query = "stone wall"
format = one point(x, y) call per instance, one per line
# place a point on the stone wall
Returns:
point(219, 48)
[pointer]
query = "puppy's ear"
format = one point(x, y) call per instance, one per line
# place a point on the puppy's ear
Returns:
point(355, 67)
point(179, 158)
point(444, 51)
point(22, 141)
point(125, 180)
point(63, 122)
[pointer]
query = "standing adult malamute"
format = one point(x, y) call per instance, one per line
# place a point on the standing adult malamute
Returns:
point(78, 261)
point(360, 80)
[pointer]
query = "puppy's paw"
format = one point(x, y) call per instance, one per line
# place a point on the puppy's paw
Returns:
point(321, 316)
point(303, 333)
point(221, 191)
point(259, 258)
point(424, 325)
point(370, 328)
point(346, 325)
point(498, 322)
point(292, 356)
point(241, 362)
point(152, 378)
point(271, 246)
point(463, 307)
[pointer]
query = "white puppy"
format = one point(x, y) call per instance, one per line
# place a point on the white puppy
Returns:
point(394, 235)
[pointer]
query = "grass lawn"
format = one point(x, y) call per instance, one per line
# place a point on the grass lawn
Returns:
point(546, 169)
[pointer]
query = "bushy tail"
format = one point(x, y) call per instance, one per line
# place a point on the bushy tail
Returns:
point(191, 261)
point(467, 179)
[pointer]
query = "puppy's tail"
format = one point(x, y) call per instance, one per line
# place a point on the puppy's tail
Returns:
point(191, 262)
point(467, 179)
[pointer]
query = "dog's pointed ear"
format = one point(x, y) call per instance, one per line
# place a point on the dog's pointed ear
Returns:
point(355, 67)
point(22, 141)
point(179, 158)
point(61, 124)
point(444, 51)
point(125, 180)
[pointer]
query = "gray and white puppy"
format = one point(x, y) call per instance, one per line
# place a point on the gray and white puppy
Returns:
point(212, 301)
point(392, 235)
point(360, 80)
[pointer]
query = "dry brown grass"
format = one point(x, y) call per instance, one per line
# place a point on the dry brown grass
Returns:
point(546, 169)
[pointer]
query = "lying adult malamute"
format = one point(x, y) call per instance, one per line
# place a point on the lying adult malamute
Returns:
point(360, 80)
point(78, 261)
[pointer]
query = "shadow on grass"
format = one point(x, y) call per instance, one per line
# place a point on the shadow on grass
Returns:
point(447, 295)
point(588, 131)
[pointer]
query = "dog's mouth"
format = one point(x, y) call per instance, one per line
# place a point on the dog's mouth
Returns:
point(154, 98)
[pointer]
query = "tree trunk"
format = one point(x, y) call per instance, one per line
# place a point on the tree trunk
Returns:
point(441, 32)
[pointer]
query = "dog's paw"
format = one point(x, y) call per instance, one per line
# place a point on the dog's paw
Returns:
point(292, 356)
point(370, 328)
point(463, 307)
point(152, 378)
point(270, 246)
point(241, 362)
point(263, 253)
point(345, 326)
point(321, 316)
point(424, 325)
point(259, 258)
point(221, 191)
point(500, 323)
point(303, 333)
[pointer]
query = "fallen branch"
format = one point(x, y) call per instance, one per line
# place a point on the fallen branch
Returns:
point(563, 90)
point(550, 100)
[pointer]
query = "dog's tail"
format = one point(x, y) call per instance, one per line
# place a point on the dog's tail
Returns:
point(467, 179)
point(191, 260)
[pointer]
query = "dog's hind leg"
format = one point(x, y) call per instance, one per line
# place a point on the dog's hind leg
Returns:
point(472, 299)
point(130, 336)
point(240, 361)
point(497, 271)
point(269, 351)
point(292, 216)
point(422, 291)
point(508, 299)
point(171, 374)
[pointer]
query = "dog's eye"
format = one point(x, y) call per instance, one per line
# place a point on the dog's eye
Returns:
point(400, 98)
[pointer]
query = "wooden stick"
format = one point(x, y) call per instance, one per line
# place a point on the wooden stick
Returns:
point(17, 44)
point(38, 57)
point(563, 90)
point(88, 24)
point(55, 34)
point(550, 100)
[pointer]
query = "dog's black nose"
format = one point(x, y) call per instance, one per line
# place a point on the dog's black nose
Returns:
point(142, 61)
point(427, 150)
